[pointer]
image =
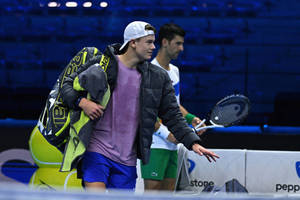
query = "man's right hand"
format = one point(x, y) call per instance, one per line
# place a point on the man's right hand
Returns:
point(197, 121)
point(172, 138)
point(91, 109)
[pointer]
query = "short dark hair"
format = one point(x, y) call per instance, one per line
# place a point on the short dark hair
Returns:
point(149, 27)
point(169, 31)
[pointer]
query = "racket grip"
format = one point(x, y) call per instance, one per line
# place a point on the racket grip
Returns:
point(207, 127)
point(194, 129)
point(200, 124)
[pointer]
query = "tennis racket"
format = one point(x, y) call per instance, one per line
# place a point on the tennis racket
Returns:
point(229, 111)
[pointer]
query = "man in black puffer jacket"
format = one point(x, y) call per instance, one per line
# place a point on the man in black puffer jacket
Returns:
point(140, 92)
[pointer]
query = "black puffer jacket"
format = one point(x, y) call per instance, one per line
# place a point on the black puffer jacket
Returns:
point(157, 99)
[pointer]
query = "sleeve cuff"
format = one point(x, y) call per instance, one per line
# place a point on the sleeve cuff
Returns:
point(163, 132)
point(189, 118)
point(78, 101)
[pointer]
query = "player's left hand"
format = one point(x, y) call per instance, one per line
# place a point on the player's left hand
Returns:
point(197, 121)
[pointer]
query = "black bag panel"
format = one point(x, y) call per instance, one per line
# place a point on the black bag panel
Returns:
point(231, 186)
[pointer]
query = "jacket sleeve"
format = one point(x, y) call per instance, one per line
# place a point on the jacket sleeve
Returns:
point(68, 94)
point(93, 81)
point(171, 116)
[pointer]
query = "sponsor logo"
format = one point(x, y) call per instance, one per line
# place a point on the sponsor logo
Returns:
point(192, 165)
point(287, 187)
point(104, 62)
point(196, 182)
point(154, 174)
point(201, 183)
point(298, 168)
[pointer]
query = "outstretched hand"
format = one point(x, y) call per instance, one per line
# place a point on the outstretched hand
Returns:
point(197, 148)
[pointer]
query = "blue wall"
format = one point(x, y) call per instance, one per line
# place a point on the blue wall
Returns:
point(236, 46)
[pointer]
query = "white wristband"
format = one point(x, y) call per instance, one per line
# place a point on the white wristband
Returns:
point(162, 131)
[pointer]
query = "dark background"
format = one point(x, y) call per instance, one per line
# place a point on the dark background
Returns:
point(250, 47)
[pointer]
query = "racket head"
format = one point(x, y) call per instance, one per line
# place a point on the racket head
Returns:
point(231, 110)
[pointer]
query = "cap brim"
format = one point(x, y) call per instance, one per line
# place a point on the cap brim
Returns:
point(123, 45)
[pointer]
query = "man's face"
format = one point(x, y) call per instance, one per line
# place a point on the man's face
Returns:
point(144, 47)
point(174, 47)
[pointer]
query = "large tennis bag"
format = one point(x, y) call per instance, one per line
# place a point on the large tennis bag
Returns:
point(54, 121)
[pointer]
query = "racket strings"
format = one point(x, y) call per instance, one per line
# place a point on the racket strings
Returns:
point(230, 112)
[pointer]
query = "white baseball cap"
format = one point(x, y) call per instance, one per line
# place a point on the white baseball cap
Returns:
point(135, 30)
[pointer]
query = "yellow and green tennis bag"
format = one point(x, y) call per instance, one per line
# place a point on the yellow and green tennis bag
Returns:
point(54, 121)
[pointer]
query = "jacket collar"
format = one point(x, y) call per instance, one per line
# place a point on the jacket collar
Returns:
point(113, 50)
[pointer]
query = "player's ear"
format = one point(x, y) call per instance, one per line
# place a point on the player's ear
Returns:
point(164, 42)
point(132, 43)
